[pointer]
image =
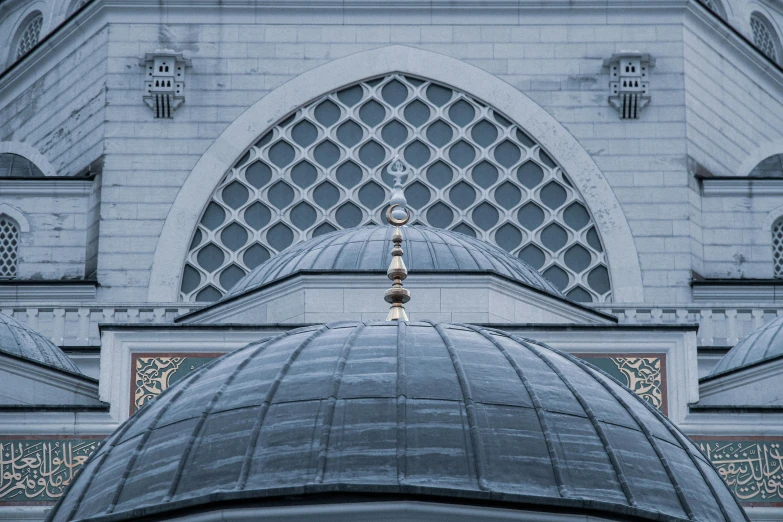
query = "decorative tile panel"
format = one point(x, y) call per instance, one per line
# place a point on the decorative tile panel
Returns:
point(645, 374)
point(152, 374)
point(752, 467)
point(38, 469)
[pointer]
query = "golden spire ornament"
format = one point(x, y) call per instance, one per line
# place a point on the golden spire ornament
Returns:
point(397, 216)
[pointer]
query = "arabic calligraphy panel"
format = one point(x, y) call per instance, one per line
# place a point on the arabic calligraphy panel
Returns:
point(35, 470)
point(645, 374)
point(152, 374)
point(752, 468)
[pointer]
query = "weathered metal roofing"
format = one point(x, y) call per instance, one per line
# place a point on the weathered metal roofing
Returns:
point(399, 410)
point(22, 341)
point(368, 249)
point(762, 344)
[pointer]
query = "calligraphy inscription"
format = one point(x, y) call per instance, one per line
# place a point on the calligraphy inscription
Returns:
point(40, 470)
point(752, 469)
point(643, 375)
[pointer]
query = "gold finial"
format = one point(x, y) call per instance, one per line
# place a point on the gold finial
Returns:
point(397, 296)
point(397, 216)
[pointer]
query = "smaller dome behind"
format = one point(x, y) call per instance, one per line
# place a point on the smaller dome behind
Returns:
point(761, 345)
point(22, 341)
point(368, 249)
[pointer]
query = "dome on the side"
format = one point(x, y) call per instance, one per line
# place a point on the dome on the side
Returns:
point(22, 341)
point(367, 249)
point(762, 344)
point(411, 411)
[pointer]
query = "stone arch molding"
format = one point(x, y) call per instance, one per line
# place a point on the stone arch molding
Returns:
point(26, 151)
point(175, 238)
point(15, 214)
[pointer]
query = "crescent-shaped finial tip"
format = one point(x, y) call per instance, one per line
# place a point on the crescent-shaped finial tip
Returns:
point(397, 222)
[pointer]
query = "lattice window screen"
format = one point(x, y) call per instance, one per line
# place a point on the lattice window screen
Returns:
point(764, 37)
point(777, 247)
point(9, 247)
point(324, 168)
point(29, 37)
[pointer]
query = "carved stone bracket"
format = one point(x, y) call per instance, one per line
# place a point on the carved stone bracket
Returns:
point(629, 86)
point(164, 81)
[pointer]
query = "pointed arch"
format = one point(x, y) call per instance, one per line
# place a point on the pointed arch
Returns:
point(583, 172)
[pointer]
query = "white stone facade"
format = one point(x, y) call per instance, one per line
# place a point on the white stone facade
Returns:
point(686, 230)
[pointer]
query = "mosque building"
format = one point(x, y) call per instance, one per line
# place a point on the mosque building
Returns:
point(409, 260)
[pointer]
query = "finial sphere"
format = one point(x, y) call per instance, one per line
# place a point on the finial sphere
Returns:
point(397, 222)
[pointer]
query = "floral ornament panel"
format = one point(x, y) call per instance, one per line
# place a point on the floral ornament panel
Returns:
point(34, 471)
point(154, 373)
point(645, 375)
point(752, 468)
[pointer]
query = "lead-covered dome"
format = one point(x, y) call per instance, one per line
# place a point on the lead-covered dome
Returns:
point(391, 411)
point(366, 249)
point(761, 345)
point(22, 341)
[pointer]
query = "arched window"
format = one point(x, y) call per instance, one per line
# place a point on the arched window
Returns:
point(28, 35)
point(764, 36)
point(75, 5)
point(777, 247)
point(323, 168)
point(715, 6)
point(16, 166)
point(771, 167)
point(9, 247)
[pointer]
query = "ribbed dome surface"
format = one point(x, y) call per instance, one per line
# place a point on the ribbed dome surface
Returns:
point(408, 410)
point(22, 341)
point(368, 249)
point(764, 343)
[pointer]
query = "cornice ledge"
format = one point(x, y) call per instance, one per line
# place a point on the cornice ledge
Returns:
point(742, 187)
point(53, 186)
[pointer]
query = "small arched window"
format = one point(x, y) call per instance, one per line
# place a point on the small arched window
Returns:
point(9, 247)
point(29, 34)
point(777, 248)
point(76, 5)
point(715, 6)
point(764, 37)
point(771, 167)
point(16, 166)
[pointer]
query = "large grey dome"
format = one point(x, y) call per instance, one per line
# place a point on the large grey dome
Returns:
point(762, 344)
point(399, 411)
point(367, 249)
point(22, 341)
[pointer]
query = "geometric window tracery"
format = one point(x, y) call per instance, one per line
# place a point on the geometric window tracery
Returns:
point(9, 246)
point(29, 36)
point(323, 168)
point(777, 248)
point(764, 36)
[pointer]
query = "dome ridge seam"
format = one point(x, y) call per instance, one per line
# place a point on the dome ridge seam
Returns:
point(255, 434)
point(624, 485)
point(470, 407)
point(540, 411)
point(331, 402)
